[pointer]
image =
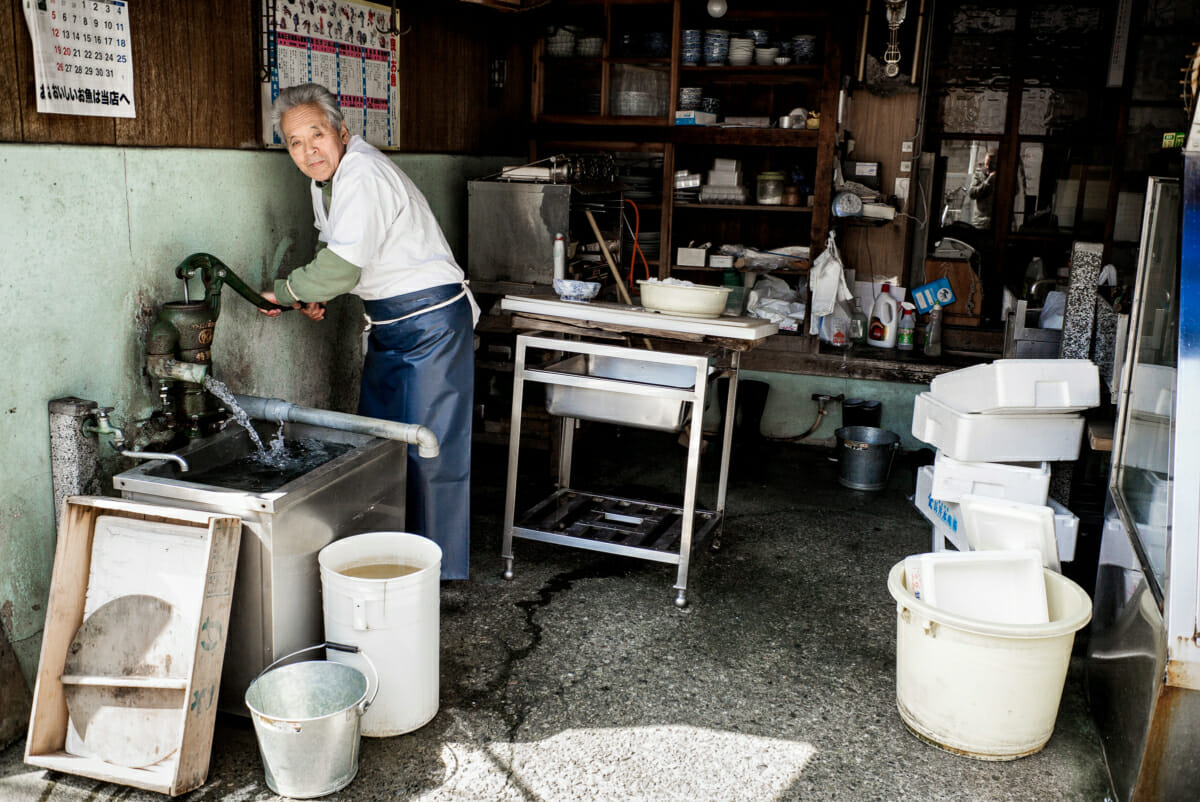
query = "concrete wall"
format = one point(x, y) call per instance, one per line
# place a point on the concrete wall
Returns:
point(91, 238)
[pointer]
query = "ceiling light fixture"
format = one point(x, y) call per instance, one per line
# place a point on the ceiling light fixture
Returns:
point(717, 8)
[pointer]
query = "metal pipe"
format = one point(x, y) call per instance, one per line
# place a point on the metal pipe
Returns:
point(274, 409)
point(183, 466)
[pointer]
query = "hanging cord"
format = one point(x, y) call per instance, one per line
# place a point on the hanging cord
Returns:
point(637, 247)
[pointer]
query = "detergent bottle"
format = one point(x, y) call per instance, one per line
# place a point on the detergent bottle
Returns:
point(883, 326)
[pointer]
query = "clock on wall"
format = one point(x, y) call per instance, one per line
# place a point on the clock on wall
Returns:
point(847, 204)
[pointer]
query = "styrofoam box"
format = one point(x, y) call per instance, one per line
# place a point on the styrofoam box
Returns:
point(1001, 586)
point(996, 438)
point(995, 524)
point(1011, 386)
point(940, 513)
point(953, 479)
point(1066, 527)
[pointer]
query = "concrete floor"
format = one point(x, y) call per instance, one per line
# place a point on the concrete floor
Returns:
point(580, 680)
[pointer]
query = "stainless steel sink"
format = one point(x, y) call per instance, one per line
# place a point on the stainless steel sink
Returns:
point(277, 593)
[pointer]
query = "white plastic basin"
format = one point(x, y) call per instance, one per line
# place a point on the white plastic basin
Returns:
point(1009, 386)
point(690, 300)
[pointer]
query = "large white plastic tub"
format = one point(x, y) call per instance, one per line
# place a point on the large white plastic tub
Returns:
point(996, 438)
point(998, 586)
point(953, 479)
point(1011, 386)
point(395, 621)
point(980, 689)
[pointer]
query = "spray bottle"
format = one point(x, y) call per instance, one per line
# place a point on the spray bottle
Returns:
point(882, 329)
point(908, 322)
point(933, 331)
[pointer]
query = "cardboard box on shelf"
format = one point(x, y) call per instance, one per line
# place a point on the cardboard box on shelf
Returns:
point(695, 117)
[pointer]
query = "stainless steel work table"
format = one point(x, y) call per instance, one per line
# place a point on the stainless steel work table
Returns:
point(654, 388)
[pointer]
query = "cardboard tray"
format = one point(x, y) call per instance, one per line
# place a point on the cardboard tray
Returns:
point(162, 706)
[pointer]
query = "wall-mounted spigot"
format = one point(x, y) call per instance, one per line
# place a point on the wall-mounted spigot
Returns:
point(102, 425)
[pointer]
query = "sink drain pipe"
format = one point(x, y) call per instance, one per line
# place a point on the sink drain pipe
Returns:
point(275, 409)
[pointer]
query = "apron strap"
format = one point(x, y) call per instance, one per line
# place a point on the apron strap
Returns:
point(372, 323)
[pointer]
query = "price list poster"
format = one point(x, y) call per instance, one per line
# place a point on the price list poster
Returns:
point(346, 47)
point(82, 57)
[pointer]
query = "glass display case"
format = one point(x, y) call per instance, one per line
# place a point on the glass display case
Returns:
point(1144, 646)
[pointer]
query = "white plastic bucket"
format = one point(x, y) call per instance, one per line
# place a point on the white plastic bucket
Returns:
point(395, 622)
point(982, 689)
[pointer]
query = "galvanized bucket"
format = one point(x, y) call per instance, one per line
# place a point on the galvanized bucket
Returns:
point(865, 456)
point(307, 718)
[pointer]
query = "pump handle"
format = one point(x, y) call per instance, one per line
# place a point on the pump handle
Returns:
point(214, 273)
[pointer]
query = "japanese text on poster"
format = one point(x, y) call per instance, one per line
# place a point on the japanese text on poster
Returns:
point(82, 57)
point(348, 48)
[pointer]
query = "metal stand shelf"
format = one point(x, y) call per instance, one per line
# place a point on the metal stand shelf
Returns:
point(639, 529)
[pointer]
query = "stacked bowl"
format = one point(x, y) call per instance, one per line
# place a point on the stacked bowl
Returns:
point(716, 47)
point(692, 47)
point(804, 47)
point(765, 56)
point(741, 51)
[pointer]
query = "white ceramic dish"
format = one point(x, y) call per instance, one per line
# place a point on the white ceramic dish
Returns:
point(690, 300)
point(571, 290)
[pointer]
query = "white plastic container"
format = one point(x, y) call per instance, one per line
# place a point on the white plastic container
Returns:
point(884, 323)
point(996, 438)
point(395, 621)
point(953, 479)
point(982, 689)
point(941, 513)
point(1014, 386)
point(996, 524)
point(1066, 530)
point(999, 586)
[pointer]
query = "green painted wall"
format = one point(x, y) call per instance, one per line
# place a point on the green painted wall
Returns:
point(91, 239)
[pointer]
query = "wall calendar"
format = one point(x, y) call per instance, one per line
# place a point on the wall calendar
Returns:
point(347, 47)
point(82, 58)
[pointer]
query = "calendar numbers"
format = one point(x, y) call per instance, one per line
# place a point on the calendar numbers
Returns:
point(82, 57)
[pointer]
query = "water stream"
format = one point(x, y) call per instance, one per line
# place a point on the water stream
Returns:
point(276, 455)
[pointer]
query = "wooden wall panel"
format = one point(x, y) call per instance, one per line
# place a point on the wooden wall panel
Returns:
point(10, 86)
point(879, 125)
point(196, 82)
point(161, 77)
point(224, 83)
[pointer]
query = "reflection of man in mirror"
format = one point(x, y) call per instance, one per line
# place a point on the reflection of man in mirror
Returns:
point(983, 191)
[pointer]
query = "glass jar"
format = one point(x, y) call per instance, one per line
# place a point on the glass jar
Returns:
point(770, 188)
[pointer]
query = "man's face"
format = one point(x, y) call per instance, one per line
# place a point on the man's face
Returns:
point(989, 162)
point(315, 146)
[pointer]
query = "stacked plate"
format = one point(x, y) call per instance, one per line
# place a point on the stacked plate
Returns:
point(804, 47)
point(741, 51)
point(690, 97)
point(589, 46)
point(692, 47)
point(561, 44)
point(716, 47)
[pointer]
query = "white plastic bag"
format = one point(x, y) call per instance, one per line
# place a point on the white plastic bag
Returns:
point(827, 282)
point(772, 299)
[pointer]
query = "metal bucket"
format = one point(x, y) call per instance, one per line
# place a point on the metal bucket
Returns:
point(865, 456)
point(307, 718)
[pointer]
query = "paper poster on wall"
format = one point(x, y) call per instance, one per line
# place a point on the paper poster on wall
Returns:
point(82, 57)
point(349, 48)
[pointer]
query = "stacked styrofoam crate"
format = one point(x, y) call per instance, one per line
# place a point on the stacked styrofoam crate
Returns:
point(996, 427)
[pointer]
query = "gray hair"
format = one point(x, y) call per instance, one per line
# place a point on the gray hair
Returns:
point(306, 95)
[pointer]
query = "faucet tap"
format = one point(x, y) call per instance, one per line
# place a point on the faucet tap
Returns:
point(102, 425)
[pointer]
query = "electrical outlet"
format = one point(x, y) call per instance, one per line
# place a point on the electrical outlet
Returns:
point(906, 146)
point(906, 165)
point(901, 192)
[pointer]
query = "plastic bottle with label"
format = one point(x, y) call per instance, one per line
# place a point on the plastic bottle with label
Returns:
point(858, 324)
point(882, 328)
point(560, 256)
point(933, 331)
point(908, 324)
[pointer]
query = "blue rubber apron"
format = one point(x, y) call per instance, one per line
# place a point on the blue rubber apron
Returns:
point(420, 368)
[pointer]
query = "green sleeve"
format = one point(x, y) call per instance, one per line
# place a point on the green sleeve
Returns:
point(326, 276)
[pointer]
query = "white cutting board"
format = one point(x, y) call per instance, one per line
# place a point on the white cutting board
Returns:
point(736, 328)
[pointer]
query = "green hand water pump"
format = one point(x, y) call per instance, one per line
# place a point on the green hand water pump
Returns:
point(179, 347)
